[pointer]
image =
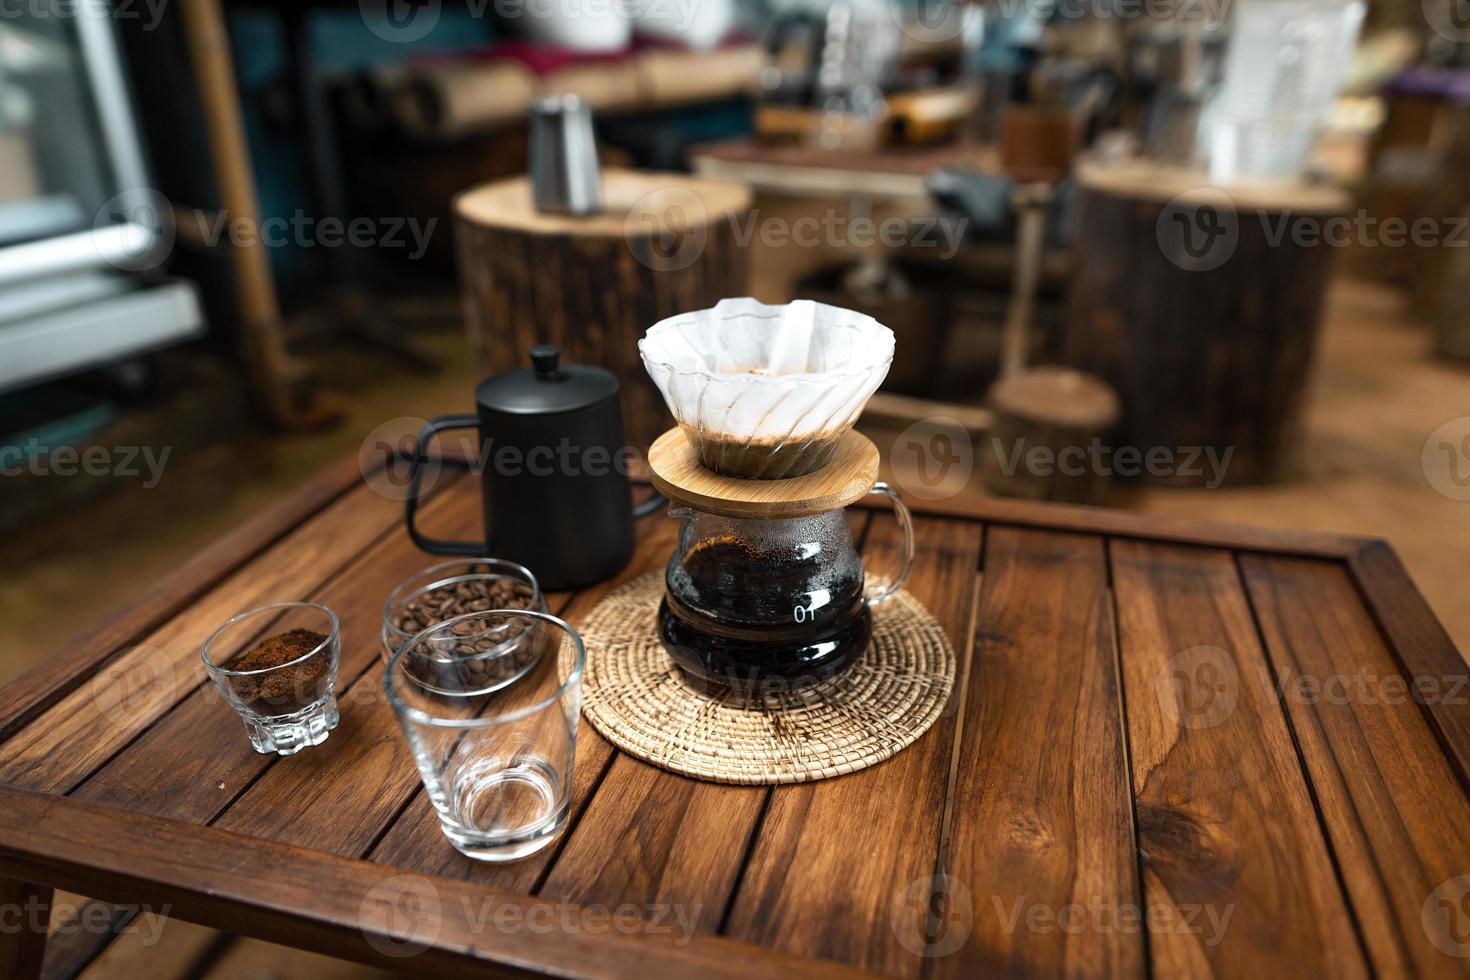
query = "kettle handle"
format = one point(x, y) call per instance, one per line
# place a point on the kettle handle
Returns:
point(906, 554)
point(472, 549)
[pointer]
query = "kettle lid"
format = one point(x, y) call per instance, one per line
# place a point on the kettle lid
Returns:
point(547, 387)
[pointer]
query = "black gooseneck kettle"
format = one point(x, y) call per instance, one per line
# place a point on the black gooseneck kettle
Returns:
point(553, 472)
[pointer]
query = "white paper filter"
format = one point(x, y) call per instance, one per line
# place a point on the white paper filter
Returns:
point(766, 391)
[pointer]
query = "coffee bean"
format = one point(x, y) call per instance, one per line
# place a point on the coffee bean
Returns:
point(480, 664)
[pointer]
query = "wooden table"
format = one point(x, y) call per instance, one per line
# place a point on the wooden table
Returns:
point(1118, 754)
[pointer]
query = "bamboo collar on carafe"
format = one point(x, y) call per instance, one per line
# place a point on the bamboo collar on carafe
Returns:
point(678, 475)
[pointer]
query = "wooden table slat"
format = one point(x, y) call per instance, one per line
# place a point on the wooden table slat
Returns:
point(415, 841)
point(81, 731)
point(59, 674)
point(651, 837)
point(1419, 639)
point(1397, 814)
point(1041, 811)
point(819, 844)
point(154, 776)
point(657, 841)
point(1226, 824)
point(342, 797)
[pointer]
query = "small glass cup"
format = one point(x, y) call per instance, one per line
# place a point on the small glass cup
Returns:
point(285, 707)
point(444, 578)
point(496, 760)
point(436, 587)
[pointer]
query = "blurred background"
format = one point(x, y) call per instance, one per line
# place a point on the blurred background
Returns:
point(1228, 236)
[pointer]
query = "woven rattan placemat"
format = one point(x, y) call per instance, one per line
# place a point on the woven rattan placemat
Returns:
point(639, 700)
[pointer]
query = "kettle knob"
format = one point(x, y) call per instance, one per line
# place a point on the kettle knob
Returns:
point(545, 359)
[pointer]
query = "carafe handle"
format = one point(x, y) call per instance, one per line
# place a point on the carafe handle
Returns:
point(906, 553)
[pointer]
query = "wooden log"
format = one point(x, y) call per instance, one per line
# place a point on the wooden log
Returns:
point(1043, 423)
point(663, 244)
point(1200, 304)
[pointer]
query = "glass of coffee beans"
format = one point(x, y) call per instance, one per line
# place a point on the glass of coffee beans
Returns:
point(486, 661)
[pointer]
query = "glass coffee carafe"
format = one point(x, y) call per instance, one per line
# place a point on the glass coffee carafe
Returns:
point(766, 589)
point(761, 602)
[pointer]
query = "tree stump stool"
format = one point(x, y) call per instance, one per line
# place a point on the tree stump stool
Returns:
point(1040, 446)
point(1200, 304)
point(663, 244)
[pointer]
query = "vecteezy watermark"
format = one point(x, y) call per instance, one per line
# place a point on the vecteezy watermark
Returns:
point(1199, 229)
point(92, 918)
point(1190, 462)
point(935, 21)
point(933, 915)
point(148, 12)
point(835, 229)
point(125, 688)
point(1363, 229)
point(302, 230)
point(127, 462)
point(1099, 916)
point(668, 229)
point(1198, 687)
point(400, 21)
point(1445, 458)
point(1366, 687)
point(933, 458)
point(135, 230)
point(386, 458)
point(1446, 916)
point(403, 915)
point(1201, 686)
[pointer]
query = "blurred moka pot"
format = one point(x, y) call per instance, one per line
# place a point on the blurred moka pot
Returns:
point(563, 164)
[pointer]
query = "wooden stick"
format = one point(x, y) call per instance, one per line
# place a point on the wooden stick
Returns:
point(260, 312)
point(1030, 237)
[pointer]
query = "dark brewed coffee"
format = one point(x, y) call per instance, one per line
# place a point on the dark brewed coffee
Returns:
point(752, 618)
point(777, 458)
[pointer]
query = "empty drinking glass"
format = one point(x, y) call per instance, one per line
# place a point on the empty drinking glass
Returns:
point(496, 760)
point(277, 667)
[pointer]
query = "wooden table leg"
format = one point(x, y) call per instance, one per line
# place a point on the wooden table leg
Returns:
point(25, 913)
point(1030, 203)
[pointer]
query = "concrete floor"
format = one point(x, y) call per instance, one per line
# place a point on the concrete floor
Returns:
point(1377, 398)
